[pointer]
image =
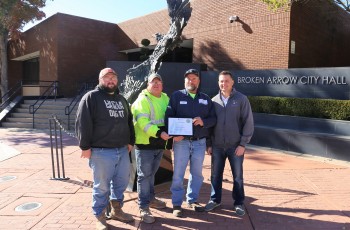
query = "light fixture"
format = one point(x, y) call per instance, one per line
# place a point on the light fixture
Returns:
point(233, 18)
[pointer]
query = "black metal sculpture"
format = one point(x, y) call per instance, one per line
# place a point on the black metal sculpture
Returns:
point(136, 77)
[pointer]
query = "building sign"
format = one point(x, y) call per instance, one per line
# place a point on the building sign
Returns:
point(327, 83)
point(286, 80)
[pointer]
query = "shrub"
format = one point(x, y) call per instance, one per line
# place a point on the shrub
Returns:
point(304, 107)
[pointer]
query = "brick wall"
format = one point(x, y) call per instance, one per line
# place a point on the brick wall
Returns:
point(321, 31)
point(260, 40)
point(72, 50)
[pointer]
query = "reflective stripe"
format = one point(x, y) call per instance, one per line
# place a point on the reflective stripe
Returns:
point(152, 116)
point(147, 127)
point(142, 115)
point(151, 107)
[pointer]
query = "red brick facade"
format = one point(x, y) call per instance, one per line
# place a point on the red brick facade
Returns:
point(73, 49)
point(321, 31)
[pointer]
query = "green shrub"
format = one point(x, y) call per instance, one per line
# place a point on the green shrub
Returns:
point(304, 107)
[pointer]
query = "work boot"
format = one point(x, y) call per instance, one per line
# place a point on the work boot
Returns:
point(101, 223)
point(118, 214)
point(159, 204)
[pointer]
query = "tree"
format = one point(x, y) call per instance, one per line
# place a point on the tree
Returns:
point(14, 14)
point(276, 4)
point(144, 49)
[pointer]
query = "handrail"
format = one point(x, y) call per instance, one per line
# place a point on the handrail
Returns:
point(52, 89)
point(8, 96)
point(69, 108)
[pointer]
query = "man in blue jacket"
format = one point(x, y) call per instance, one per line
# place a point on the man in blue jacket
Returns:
point(190, 103)
point(232, 132)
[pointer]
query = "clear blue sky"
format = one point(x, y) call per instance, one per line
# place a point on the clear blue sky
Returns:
point(114, 11)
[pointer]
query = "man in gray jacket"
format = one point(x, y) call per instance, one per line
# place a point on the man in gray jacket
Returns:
point(233, 130)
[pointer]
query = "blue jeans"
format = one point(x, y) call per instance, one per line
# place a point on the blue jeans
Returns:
point(111, 171)
point(187, 151)
point(218, 159)
point(147, 163)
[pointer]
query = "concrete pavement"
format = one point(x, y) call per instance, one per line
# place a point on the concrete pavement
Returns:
point(283, 191)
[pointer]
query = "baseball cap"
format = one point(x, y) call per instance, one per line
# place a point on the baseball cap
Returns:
point(191, 71)
point(154, 75)
point(105, 71)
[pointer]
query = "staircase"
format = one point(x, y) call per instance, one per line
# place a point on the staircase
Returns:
point(21, 118)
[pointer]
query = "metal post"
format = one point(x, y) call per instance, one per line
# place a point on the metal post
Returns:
point(57, 146)
point(57, 159)
point(52, 159)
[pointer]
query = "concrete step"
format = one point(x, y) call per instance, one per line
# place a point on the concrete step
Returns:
point(37, 125)
point(42, 115)
point(41, 111)
point(21, 118)
point(36, 120)
point(44, 106)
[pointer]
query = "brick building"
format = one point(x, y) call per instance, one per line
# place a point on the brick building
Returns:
point(72, 49)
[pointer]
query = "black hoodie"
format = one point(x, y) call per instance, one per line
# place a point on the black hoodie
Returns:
point(104, 121)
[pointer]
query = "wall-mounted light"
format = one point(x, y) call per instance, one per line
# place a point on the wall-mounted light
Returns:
point(233, 18)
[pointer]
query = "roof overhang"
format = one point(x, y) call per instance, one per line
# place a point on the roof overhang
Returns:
point(185, 43)
point(27, 56)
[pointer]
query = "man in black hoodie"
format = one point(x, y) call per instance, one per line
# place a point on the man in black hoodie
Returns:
point(106, 135)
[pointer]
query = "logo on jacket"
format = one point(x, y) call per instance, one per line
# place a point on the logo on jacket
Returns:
point(115, 108)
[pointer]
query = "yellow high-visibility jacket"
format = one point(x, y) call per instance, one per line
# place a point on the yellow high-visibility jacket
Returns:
point(148, 113)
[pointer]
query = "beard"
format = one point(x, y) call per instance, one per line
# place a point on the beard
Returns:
point(191, 87)
point(109, 88)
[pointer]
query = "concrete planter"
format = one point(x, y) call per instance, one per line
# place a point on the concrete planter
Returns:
point(320, 137)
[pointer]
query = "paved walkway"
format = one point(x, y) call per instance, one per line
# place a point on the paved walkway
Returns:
point(283, 191)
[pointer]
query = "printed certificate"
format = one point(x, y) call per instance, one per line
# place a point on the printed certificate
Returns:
point(180, 126)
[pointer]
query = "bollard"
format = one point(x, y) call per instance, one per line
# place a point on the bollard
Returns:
point(54, 132)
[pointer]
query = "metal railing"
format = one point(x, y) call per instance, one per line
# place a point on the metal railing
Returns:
point(49, 92)
point(83, 89)
point(10, 94)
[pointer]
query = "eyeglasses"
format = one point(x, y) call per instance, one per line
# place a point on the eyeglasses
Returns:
point(155, 82)
point(109, 78)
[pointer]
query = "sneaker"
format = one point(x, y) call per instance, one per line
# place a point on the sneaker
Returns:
point(239, 210)
point(146, 216)
point(211, 206)
point(159, 204)
point(177, 211)
point(196, 207)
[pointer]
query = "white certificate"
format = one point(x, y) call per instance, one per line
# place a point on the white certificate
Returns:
point(180, 126)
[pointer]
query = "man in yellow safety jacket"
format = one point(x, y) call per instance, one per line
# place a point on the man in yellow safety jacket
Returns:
point(151, 140)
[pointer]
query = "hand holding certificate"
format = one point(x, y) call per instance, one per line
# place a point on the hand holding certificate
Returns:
point(180, 126)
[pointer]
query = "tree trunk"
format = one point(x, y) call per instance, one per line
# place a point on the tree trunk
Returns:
point(3, 64)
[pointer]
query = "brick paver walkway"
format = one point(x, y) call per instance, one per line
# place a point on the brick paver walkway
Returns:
point(283, 191)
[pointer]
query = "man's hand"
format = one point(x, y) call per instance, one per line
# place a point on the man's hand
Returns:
point(240, 150)
point(165, 136)
point(197, 121)
point(209, 151)
point(178, 138)
point(130, 147)
point(86, 154)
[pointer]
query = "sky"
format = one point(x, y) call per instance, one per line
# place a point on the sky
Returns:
point(114, 11)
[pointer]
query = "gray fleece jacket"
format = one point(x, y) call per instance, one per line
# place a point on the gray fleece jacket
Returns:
point(234, 125)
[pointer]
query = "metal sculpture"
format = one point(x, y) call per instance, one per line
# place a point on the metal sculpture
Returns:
point(136, 77)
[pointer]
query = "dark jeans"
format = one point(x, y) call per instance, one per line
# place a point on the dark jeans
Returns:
point(218, 159)
point(147, 163)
